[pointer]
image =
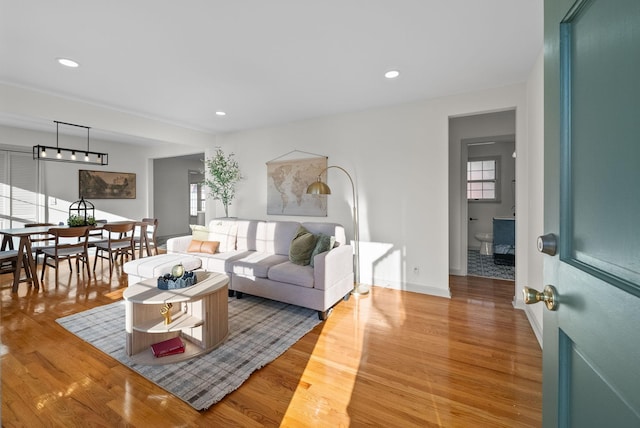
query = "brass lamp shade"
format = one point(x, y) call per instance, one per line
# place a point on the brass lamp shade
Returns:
point(318, 188)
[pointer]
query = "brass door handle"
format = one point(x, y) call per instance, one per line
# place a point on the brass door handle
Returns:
point(549, 296)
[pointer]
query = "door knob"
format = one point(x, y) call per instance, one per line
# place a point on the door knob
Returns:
point(548, 244)
point(549, 296)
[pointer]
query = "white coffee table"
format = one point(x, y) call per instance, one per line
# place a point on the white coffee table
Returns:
point(199, 316)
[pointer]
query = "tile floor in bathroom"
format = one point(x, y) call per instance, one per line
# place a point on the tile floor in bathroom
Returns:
point(480, 265)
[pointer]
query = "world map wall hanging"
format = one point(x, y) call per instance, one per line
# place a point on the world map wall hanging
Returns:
point(288, 177)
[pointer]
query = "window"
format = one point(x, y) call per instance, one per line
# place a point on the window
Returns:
point(197, 198)
point(482, 179)
point(20, 201)
point(197, 193)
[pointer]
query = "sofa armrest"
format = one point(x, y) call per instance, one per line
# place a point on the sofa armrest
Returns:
point(332, 266)
point(179, 244)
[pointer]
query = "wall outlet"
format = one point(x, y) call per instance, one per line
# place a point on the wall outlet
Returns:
point(416, 270)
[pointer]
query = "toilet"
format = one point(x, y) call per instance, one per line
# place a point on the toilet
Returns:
point(486, 243)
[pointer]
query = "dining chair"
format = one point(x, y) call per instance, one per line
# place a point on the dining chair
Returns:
point(8, 261)
point(96, 233)
point(40, 240)
point(119, 242)
point(148, 228)
point(70, 243)
point(9, 264)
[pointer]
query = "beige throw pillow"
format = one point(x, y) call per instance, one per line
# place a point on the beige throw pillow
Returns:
point(197, 246)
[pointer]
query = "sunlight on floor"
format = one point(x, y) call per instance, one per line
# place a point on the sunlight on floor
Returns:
point(362, 310)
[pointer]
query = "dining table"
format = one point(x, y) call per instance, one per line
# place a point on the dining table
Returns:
point(25, 250)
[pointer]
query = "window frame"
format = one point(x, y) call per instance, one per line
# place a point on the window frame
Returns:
point(197, 199)
point(496, 181)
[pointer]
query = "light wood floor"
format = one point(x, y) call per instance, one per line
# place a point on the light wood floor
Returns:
point(391, 359)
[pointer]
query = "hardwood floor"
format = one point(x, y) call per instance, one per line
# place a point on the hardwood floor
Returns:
point(391, 358)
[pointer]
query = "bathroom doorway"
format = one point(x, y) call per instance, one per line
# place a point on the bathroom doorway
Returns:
point(491, 207)
point(484, 144)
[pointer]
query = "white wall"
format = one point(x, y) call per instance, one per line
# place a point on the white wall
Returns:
point(399, 158)
point(171, 194)
point(534, 204)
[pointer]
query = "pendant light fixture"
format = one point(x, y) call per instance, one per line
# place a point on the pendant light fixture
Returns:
point(61, 154)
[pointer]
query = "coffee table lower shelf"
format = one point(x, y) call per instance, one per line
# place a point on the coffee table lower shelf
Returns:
point(191, 350)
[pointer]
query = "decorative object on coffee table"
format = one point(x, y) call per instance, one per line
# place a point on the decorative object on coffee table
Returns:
point(320, 188)
point(172, 282)
point(165, 310)
point(168, 347)
point(178, 270)
point(223, 172)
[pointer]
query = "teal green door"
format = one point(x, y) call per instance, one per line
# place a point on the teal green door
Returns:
point(591, 366)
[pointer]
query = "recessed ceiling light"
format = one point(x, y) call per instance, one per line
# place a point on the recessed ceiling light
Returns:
point(68, 62)
point(392, 74)
point(221, 113)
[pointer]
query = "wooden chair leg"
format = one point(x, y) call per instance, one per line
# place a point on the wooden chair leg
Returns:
point(86, 263)
point(95, 260)
point(44, 266)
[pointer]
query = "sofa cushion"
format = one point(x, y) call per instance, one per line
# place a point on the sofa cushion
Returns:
point(247, 237)
point(256, 264)
point(292, 273)
point(220, 262)
point(223, 231)
point(302, 246)
point(209, 247)
point(155, 266)
point(323, 243)
point(331, 229)
point(275, 236)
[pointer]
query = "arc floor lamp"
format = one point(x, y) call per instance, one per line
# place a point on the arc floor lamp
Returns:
point(320, 188)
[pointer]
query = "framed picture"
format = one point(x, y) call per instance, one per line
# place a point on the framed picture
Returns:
point(107, 185)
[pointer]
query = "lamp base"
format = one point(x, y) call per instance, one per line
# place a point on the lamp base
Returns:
point(359, 289)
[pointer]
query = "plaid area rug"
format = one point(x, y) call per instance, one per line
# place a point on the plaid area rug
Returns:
point(260, 330)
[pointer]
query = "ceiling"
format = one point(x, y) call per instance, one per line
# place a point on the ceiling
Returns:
point(262, 62)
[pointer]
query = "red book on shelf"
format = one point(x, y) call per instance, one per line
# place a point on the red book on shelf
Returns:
point(168, 347)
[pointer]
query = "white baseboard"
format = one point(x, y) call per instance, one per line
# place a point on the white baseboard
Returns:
point(416, 288)
point(533, 322)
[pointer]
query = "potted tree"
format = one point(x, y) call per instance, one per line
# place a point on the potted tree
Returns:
point(222, 175)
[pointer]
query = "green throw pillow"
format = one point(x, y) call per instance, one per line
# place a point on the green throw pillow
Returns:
point(323, 243)
point(301, 247)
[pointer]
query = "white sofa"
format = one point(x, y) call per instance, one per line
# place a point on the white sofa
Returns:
point(255, 255)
